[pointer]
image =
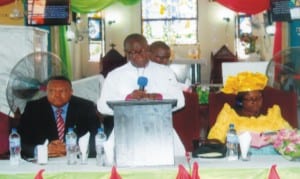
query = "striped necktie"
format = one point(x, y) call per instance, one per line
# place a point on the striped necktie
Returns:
point(60, 124)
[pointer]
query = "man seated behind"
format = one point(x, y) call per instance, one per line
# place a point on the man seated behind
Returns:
point(160, 53)
point(39, 120)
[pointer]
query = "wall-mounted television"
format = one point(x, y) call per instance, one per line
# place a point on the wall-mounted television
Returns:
point(47, 12)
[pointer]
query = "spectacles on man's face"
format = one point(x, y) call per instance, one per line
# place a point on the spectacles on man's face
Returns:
point(134, 52)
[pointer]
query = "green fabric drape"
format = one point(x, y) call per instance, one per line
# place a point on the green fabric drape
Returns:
point(64, 51)
point(83, 6)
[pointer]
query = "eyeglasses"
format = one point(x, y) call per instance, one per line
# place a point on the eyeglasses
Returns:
point(134, 52)
point(253, 99)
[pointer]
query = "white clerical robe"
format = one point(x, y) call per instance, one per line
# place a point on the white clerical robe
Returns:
point(123, 80)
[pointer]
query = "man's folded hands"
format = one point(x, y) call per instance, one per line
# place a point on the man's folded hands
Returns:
point(56, 148)
point(141, 94)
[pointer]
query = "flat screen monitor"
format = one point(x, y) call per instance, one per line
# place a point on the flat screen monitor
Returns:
point(47, 12)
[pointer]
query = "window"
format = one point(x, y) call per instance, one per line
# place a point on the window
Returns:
point(244, 23)
point(173, 21)
point(244, 34)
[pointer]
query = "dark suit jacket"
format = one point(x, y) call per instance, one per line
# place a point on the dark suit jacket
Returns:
point(38, 123)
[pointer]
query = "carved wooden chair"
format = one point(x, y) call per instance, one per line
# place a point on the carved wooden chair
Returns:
point(222, 55)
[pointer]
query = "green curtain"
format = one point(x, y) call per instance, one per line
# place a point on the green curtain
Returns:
point(86, 6)
point(65, 52)
point(83, 6)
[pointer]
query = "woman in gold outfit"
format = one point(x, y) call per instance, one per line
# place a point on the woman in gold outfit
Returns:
point(246, 115)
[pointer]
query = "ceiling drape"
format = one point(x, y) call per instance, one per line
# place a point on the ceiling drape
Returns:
point(4, 2)
point(246, 6)
point(86, 6)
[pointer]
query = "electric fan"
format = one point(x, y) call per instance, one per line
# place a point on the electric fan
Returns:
point(28, 78)
point(283, 70)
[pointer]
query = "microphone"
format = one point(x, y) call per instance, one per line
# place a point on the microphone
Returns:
point(142, 82)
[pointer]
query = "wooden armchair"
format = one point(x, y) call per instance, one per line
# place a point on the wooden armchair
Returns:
point(286, 100)
point(110, 61)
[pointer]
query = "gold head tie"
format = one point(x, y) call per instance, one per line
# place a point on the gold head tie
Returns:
point(245, 81)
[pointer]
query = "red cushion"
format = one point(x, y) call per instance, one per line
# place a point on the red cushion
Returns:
point(4, 132)
point(287, 102)
point(187, 121)
point(216, 102)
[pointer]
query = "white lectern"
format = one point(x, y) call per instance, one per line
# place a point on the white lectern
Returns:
point(143, 132)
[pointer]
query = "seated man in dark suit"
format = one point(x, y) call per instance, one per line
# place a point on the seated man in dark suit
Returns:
point(39, 122)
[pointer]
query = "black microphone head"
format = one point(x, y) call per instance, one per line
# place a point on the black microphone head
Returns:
point(142, 82)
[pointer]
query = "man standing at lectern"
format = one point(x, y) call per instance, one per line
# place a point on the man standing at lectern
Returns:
point(139, 78)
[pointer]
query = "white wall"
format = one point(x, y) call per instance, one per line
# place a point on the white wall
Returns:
point(213, 33)
point(128, 20)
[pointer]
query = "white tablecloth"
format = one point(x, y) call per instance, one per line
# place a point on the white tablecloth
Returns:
point(60, 165)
